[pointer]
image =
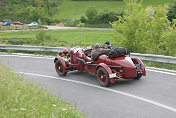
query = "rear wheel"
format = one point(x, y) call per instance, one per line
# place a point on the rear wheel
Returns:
point(138, 76)
point(60, 68)
point(102, 76)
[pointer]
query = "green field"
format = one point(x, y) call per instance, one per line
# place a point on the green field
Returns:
point(65, 38)
point(20, 98)
point(75, 9)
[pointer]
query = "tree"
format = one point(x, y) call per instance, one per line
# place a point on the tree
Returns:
point(172, 11)
point(142, 29)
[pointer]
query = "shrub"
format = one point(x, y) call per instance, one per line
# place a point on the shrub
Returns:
point(92, 14)
point(83, 19)
point(172, 11)
point(106, 16)
point(145, 30)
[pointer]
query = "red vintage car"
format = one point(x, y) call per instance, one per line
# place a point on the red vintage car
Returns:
point(17, 23)
point(107, 69)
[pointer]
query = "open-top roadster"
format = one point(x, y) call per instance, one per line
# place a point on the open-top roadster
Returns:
point(107, 69)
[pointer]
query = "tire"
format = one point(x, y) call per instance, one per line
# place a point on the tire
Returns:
point(103, 77)
point(138, 76)
point(60, 68)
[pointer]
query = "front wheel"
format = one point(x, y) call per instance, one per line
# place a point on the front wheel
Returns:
point(60, 68)
point(103, 77)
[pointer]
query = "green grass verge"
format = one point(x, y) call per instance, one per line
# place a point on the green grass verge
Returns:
point(20, 98)
point(160, 65)
point(64, 38)
point(75, 9)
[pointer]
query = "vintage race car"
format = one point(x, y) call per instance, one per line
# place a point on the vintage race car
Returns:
point(107, 69)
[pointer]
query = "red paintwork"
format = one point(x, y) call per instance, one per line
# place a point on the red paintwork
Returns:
point(128, 71)
point(17, 23)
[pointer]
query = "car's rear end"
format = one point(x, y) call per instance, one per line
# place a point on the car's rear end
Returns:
point(131, 67)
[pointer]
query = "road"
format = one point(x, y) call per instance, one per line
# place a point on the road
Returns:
point(153, 96)
point(64, 27)
point(58, 28)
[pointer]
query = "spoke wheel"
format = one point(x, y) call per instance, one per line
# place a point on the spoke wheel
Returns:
point(60, 68)
point(103, 77)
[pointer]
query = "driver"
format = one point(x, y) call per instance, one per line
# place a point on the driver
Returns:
point(107, 45)
point(97, 51)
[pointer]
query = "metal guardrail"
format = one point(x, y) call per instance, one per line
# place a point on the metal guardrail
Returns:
point(146, 57)
point(30, 48)
point(155, 58)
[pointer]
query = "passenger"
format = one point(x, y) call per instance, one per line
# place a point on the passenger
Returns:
point(107, 45)
point(97, 51)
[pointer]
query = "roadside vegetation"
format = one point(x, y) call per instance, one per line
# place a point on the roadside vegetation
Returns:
point(160, 65)
point(146, 30)
point(20, 98)
point(28, 11)
point(57, 38)
point(103, 11)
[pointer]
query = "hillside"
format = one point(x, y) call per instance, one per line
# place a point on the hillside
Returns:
point(29, 10)
point(75, 9)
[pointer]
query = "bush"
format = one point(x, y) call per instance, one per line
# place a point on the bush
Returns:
point(172, 11)
point(83, 19)
point(108, 16)
point(92, 14)
point(101, 17)
point(145, 30)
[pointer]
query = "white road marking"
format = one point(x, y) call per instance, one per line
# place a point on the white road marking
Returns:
point(28, 56)
point(169, 73)
point(107, 89)
point(161, 69)
point(44, 57)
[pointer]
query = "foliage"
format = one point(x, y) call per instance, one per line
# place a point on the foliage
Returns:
point(106, 16)
point(83, 19)
point(20, 98)
point(29, 10)
point(172, 11)
point(92, 14)
point(145, 30)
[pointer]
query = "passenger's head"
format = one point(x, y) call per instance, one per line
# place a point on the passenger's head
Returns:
point(96, 46)
point(107, 43)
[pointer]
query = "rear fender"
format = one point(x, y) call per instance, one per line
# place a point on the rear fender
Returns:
point(107, 68)
point(142, 64)
point(63, 61)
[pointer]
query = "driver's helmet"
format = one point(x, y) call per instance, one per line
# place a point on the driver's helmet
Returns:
point(96, 46)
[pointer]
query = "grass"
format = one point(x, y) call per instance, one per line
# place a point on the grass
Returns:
point(75, 9)
point(160, 65)
point(64, 38)
point(20, 98)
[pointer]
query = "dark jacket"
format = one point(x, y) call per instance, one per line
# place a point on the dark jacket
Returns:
point(97, 52)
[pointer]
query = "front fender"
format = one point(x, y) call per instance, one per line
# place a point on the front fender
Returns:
point(63, 61)
point(107, 68)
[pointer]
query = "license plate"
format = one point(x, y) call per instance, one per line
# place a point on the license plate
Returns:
point(112, 75)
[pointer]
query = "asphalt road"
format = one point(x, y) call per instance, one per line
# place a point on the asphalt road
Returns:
point(153, 96)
